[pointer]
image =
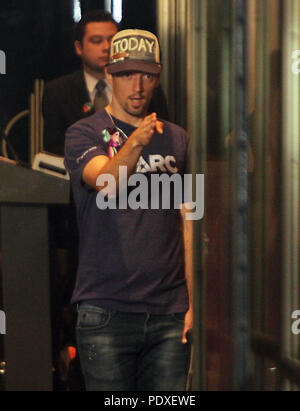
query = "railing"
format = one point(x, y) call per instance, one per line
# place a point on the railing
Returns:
point(36, 123)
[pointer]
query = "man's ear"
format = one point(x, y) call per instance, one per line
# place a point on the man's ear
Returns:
point(108, 76)
point(158, 80)
point(78, 48)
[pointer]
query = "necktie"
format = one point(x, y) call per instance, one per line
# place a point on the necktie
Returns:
point(101, 99)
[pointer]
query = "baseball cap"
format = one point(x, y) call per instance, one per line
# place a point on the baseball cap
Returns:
point(134, 50)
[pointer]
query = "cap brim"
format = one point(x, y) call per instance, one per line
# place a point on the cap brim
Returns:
point(134, 65)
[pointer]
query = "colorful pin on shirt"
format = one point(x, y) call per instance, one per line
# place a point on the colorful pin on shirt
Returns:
point(112, 138)
point(87, 108)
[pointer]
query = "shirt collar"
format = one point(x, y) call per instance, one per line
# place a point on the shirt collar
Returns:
point(91, 82)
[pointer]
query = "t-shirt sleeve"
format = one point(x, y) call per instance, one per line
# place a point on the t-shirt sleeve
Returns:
point(82, 144)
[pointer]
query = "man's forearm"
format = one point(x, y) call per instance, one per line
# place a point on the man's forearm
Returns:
point(188, 253)
point(189, 272)
point(188, 245)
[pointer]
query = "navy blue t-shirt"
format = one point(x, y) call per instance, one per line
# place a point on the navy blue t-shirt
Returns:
point(129, 260)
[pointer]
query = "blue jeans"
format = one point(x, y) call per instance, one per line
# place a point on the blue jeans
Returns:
point(131, 351)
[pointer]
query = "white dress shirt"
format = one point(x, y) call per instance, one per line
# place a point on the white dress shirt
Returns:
point(91, 83)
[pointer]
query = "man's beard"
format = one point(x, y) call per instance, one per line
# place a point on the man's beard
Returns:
point(138, 112)
point(141, 112)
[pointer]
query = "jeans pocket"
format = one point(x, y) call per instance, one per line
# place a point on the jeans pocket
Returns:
point(92, 318)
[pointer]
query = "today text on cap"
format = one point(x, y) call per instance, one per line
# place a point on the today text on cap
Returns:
point(133, 44)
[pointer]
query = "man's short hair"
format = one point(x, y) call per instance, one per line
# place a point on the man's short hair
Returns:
point(95, 16)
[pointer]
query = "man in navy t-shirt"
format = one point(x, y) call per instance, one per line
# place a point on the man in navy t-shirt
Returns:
point(134, 280)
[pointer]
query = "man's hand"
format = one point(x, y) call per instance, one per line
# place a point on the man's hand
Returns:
point(144, 133)
point(188, 325)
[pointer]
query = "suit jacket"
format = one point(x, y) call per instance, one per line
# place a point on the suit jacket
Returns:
point(63, 105)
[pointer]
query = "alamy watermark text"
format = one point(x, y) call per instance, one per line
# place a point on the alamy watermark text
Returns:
point(159, 192)
point(296, 324)
point(296, 62)
point(2, 323)
point(2, 62)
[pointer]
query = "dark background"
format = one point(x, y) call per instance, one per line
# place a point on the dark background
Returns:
point(37, 38)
